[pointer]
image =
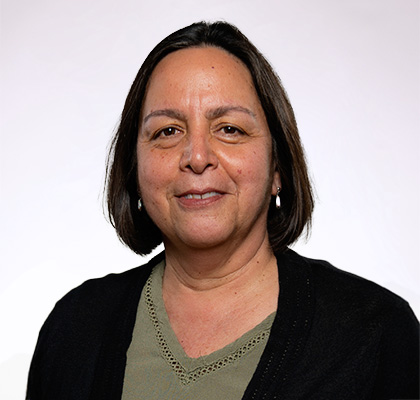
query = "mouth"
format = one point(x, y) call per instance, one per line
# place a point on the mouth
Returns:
point(198, 196)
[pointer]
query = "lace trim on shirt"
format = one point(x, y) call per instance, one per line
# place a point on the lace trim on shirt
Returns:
point(188, 377)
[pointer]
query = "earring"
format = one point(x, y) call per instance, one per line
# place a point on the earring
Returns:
point(278, 201)
point(139, 204)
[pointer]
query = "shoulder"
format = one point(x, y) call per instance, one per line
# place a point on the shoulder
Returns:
point(353, 307)
point(79, 327)
point(342, 288)
point(349, 303)
point(358, 325)
point(88, 308)
point(103, 294)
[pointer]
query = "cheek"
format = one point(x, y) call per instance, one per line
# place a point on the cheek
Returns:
point(147, 171)
point(154, 174)
point(253, 167)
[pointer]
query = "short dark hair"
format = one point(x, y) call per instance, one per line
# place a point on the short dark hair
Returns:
point(285, 225)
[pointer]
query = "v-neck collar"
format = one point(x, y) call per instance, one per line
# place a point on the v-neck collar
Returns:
point(286, 342)
point(187, 368)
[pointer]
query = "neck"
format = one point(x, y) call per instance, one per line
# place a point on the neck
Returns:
point(212, 297)
point(229, 266)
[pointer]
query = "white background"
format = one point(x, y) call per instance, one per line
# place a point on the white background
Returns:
point(351, 69)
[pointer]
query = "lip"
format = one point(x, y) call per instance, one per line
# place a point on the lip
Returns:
point(200, 192)
point(199, 198)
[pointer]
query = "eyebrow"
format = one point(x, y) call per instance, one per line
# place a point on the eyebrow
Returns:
point(166, 112)
point(211, 114)
point(220, 111)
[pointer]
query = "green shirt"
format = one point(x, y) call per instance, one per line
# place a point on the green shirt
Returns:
point(158, 368)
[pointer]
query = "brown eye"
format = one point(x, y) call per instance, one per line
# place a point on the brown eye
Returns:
point(170, 131)
point(231, 130)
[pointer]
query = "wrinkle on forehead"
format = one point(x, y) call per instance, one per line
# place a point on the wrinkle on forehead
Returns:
point(200, 79)
point(211, 114)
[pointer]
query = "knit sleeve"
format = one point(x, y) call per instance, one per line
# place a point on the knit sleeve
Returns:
point(398, 367)
point(34, 389)
point(67, 346)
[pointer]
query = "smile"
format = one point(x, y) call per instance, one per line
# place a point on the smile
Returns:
point(200, 196)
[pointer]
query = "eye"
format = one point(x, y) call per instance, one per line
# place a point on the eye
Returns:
point(231, 130)
point(166, 132)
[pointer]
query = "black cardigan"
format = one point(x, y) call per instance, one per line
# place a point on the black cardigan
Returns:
point(335, 336)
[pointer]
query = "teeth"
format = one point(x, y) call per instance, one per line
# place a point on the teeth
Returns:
point(210, 194)
point(201, 196)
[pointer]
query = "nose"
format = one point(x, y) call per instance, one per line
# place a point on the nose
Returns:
point(198, 154)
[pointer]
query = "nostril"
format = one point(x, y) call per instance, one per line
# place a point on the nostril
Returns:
point(198, 153)
point(198, 169)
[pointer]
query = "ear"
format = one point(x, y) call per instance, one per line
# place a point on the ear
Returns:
point(276, 183)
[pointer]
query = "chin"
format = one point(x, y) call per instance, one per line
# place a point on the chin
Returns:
point(201, 239)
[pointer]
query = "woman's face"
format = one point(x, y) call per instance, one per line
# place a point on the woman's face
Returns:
point(204, 151)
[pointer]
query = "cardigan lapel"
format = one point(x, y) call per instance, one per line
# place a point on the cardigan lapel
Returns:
point(290, 328)
point(109, 374)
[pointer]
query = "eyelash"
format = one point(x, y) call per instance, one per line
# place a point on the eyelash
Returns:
point(236, 130)
point(161, 132)
point(172, 131)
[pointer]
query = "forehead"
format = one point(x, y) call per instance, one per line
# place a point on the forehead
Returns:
point(202, 57)
point(200, 72)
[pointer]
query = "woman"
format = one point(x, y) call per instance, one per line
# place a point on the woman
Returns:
point(207, 160)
